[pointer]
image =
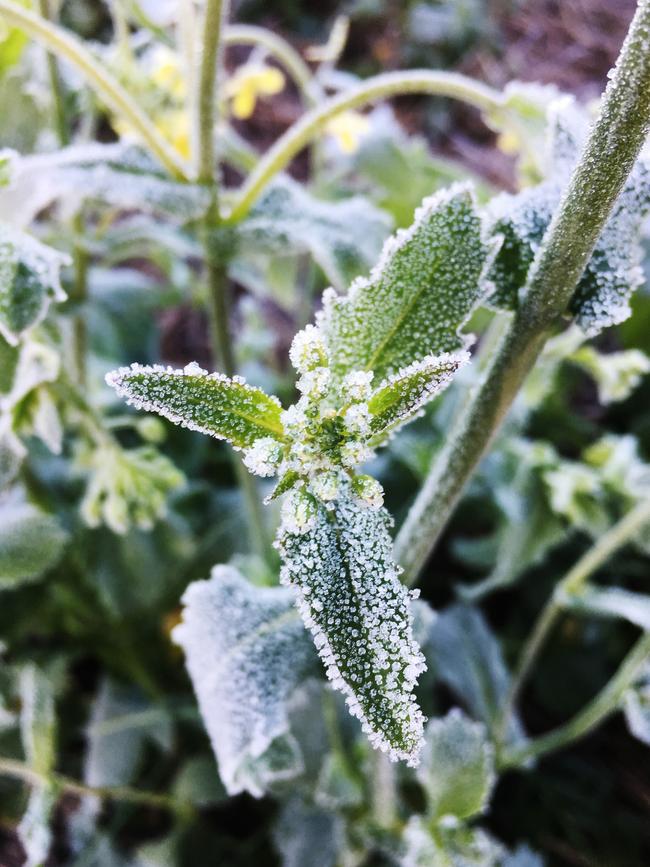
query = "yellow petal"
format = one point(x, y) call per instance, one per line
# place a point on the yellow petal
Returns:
point(243, 104)
point(270, 82)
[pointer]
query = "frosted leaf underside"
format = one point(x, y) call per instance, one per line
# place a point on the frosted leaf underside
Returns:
point(352, 600)
point(246, 651)
point(210, 403)
point(416, 299)
point(344, 237)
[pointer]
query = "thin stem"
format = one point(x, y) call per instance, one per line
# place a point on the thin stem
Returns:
point(70, 48)
point(384, 790)
point(282, 51)
point(379, 87)
point(60, 119)
point(614, 143)
point(21, 771)
point(614, 539)
point(603, 705)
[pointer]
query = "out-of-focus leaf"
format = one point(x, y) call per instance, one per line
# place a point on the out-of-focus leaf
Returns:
point(308, 835)
point(452, 844)
point(351, 599)
point(29, 281)
point(344, 237)
point(469, 660)
point(246, 652)
point(419, 295)
point(617, 374)
point(636, 707)
point(457, 768)
point(610, 602)
point(31, 542)
point(209, 403)
point(198, 783)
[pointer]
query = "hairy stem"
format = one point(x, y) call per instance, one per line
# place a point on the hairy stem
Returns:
point(379, 87)
point(616, 537)
point(70, 48)
point(21, 771)
point(282, 51)
point(614, 143)
point(603, 705)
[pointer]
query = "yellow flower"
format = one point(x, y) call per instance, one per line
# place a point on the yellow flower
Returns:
point(166, 72)
point(250, 82)
point(175, 127)
point(348, 128)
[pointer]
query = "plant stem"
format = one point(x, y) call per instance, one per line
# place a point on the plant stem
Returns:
point(282, 51)
point(616, 537)
point(70, 48)
point(603, 705)
point(216, 254)
point(384, 790)
point(21, 771)
point(60, 119)
point(614, 143)
point(375, 88)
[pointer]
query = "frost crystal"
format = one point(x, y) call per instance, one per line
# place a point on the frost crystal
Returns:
point(351, 599)
point(246, 652)
point(263, 457)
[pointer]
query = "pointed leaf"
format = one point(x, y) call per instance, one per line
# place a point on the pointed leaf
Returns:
point(457, 768)
point(427, 282)
point(210, 403)
point(29, 281)
point(246, 652)
point(31, 542)
point(352, 600)
point(610, 602)
point(401, 396)
point(344, 237)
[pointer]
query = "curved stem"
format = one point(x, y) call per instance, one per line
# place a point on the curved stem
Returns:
point(282, 51)
point(614, 143)
point(616, 537)
point(68, 47)
point(21, 771)
point(379, 87)
point(603, 705)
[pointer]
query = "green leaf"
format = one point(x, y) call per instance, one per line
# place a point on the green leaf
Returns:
point(344, 237)
point(417, 298)
point(610, 602)
point(31, 542)
point(308, 835)
point(210, 403)
point(613, 272)
point(636, 707)
point(400, 397)
point(29, 281)
point(469, 661)
point(617, 374)
point(246, 652)
point(351, 598)
point(457, 768)
point(452, 844)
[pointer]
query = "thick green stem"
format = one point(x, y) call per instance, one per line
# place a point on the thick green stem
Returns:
point(614, 143)
point(282, 51)
point(379, 87)
point(68, 47)
point(603, 705)
point(21, 771)
point(616, 537)
point(215, 11)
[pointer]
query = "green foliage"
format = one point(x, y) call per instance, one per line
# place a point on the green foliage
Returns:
point(31, 542)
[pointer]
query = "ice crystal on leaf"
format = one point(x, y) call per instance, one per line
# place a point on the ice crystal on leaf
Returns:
point(613, 273)
point(352, 600)
point(418, 296)
point(29, 281)
point(206, 402)
point(246, 652)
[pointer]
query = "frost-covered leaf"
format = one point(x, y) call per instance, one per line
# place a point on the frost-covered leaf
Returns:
point(636, 707)
point(617, 374)
point(453, 844)
point(610, 602)
point(344, 237)
point(121, 721)
point(210, 403)
point(31, 542)
point(418, 296)
point(120, 175)
point(29, 281)
point(308, 835)
point(402, 395)
point(469, 660)
point(246, 652)
point(613, 273)
point(37, 728)
point(352, 600)
point(457, 768)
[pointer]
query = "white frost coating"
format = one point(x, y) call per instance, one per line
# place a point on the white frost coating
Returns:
point(264, 457)
point(308, 350)
point(246, 652)
point(210, 403)
point(352, 600)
